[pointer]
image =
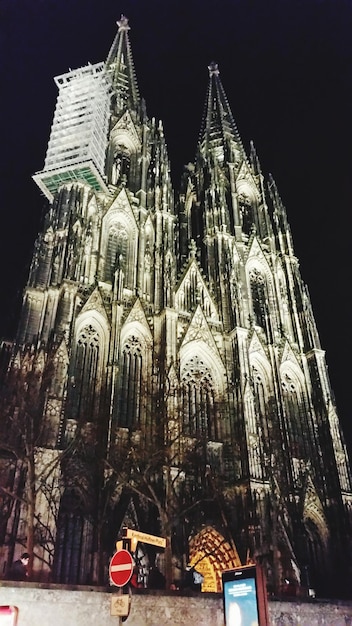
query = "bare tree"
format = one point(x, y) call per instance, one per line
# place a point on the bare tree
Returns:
point(170, 477)
point(29, 485)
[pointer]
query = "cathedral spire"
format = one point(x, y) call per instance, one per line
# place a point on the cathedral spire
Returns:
point(218, 125)
point(120, 64)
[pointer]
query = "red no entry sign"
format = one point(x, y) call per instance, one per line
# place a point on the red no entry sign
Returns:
point(121, 568)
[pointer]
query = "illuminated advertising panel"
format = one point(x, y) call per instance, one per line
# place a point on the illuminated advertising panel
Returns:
point(244, 597)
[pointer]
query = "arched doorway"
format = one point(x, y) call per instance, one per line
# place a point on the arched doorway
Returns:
point(211, 554)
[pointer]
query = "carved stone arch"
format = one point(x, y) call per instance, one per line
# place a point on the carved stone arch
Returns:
point(264, 416)
point(74, 552)
point(134, 376)
point(120, 236)
point(313, 517)
point(124, 148)
point(140, 328)
point(212, 361)
point(261, 378)
point(258, 289)
point(291, 376)
point(125, 131)
point(211, 554)
point(247, 190)
point(99, 321)
point(86, 375)
point(295, 413)
point(315, 538)
point(202, 384)
point(260, 365)
point(246, 201)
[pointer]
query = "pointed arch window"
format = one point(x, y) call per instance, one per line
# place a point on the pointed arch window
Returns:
point(121, 163)
point(131, 384)
point(260, 397)
point(84, 393)
point(116, 251)
point(258, 290)
point(198, 400)
point(246, 212)
point(73, 561)
point(314, 550)
point(294, 414)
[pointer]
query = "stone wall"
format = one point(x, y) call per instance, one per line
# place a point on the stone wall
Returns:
point(81, 606)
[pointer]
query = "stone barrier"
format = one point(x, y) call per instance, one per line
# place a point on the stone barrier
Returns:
point(58, 605)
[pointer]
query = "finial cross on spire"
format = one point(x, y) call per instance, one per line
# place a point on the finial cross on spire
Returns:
point(123, 23)
point(213, 69)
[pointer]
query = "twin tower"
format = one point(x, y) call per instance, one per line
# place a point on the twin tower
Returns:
point(167, 373)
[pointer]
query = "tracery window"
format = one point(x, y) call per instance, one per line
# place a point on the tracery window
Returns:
point(116, 251)
point(257, 285)
point(73, 562)
point(246, 213)
point(198, 400)
point(294, 413)
point(131, 384)
point(85, 383)
point(121, 164)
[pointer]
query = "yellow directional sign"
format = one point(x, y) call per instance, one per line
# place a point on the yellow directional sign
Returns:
point(153, 540)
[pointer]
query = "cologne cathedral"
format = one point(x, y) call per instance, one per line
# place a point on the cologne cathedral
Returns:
point(167, 375)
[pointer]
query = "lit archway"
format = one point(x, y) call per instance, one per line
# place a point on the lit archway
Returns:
point(211, 554)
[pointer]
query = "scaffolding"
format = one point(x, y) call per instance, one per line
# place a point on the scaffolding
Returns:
point(78, 138)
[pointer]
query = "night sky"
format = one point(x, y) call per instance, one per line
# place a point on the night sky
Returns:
point(286, 66)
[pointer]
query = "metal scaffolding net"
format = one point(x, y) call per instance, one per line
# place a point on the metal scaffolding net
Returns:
point(78, 138)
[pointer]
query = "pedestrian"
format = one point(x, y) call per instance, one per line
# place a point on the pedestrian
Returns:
point(193, 579)
point(18, 569)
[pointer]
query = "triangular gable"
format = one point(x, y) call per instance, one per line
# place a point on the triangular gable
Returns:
point(125, 126)
point(137, 314)
point(193, 267)
point(256, 252)
point(255, 345)
point(198, 330)
point(287, 355)
point(120, 210)
point(245, 174)
point(95, 303)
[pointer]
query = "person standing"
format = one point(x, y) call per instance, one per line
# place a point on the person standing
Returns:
point(18, 569)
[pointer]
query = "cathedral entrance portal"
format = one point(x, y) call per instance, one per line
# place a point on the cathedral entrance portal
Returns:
point(211, 554)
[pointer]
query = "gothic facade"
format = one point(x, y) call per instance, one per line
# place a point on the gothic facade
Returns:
point(167, 373)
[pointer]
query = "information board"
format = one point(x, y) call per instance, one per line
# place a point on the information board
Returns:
point(244, 597)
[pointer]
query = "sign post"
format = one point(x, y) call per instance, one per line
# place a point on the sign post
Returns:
point(121, 568)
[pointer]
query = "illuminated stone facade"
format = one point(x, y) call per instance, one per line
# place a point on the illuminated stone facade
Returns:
point(176, 326)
